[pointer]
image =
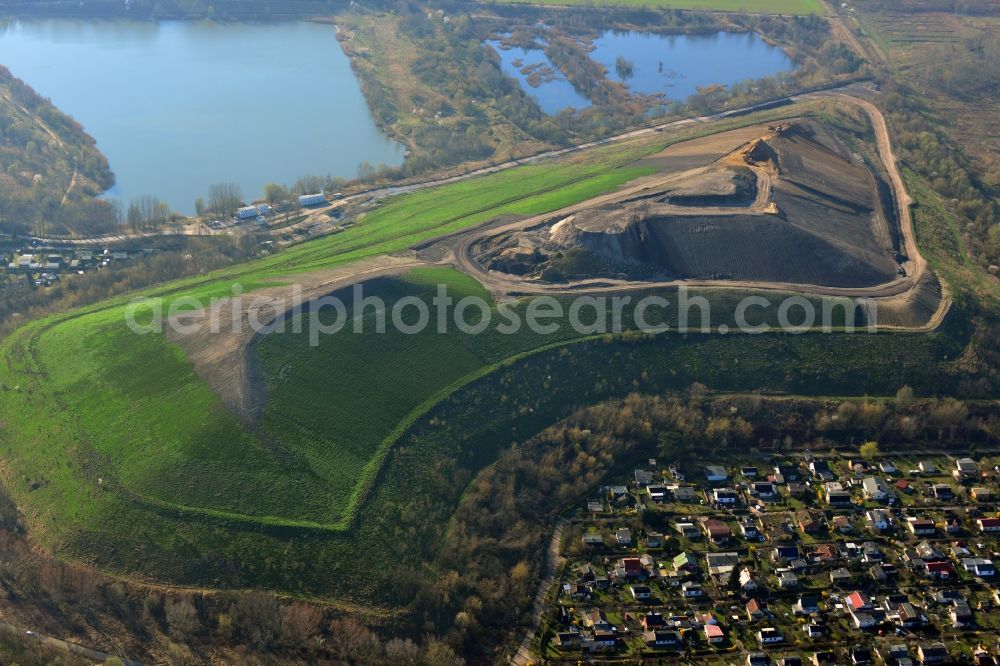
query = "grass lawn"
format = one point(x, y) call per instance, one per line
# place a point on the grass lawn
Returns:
point(802, 7)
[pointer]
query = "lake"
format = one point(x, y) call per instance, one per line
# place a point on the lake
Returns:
point(176, 106)
point(539, 78)
point(672, 66)
point(677, 65)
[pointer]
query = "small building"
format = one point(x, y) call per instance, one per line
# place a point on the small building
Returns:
point(932, 653)
point(966, 467)
point(942, 491)
point(806, 605)
point(641, 592)
point(688, 530)
point(988, 525)
point(878, 519)
point(808, 522)
point(308, 200)
point(716, 473)
point(246, 213)
point(716, 530)
point(927, 467)
point(691, 590)
point(981, 494)
point(725, 496)
point(755, 610)
point(921, 526)
point(661, 638)
point(714, 634)
point(979, 567)
point(623, 536)
point(875, 489)
point(769, 636)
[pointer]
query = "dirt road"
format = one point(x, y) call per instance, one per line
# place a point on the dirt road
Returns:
point(553, 563)
point(62, 646)
point(916, 265)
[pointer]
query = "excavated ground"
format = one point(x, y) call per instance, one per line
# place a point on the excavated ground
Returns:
point(788, 204)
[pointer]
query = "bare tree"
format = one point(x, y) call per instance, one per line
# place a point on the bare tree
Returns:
point(182, 618)
point(224, 198)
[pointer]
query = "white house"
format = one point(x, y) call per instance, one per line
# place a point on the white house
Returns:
point(875, 489)
point(878, 519)
point(247, 213)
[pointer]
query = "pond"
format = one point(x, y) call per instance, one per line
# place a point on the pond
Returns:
point(675, 66)
point(539, 78)
point(176, 106)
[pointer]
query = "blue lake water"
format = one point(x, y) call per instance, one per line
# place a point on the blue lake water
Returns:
point(676, 65)
point(177, 106)
point(553, 92)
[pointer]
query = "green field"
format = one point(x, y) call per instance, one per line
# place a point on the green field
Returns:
point(801, 7)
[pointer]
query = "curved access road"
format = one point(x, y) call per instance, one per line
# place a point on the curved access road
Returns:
point(916, 266)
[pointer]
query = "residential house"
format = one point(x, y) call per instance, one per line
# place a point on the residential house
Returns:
point(721, 564)
point(691, 590)
point(595, 617)
point(942, 570)
point(921, 526)
point(716, 474)
point(875, 489)
point(980, 567)
point(568, 639)
point(821, 468)
point(641, 592)
point(749, 528)
point(654, 540)
point(886, 467)
point(988, 525)
point(790, 660)
point(806, 605)
point(725, 497)
point(808, 522)
point(769, 636)
point(824, 657)
point(714, 634)
point(966, 467)
point(981, 494)
point(683, 493)
point(630, 568)
point(653, 620)
point(961, 614)
point(836, 495)
point(758, 659)
point(623, 536)
point(658, 493)
point(927, 467)
point(755, 610)
point(942, 491)
point(842, 524)
point(716, 530)
point(870, 552)
point(643, 477)
point(685, 562)
point(688, 530)
point(749, 472)
point(787, 580)
point(604, 639)
point(661, 638)
point(858, 600)
point(908, 615)
point(862, 619)
point(814, 630)
point(878, 519)
point(860, 655)
point(764, 490)
point(593, 541)
point(748, 582)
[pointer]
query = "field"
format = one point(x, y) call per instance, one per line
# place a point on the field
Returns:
point(802, 7)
